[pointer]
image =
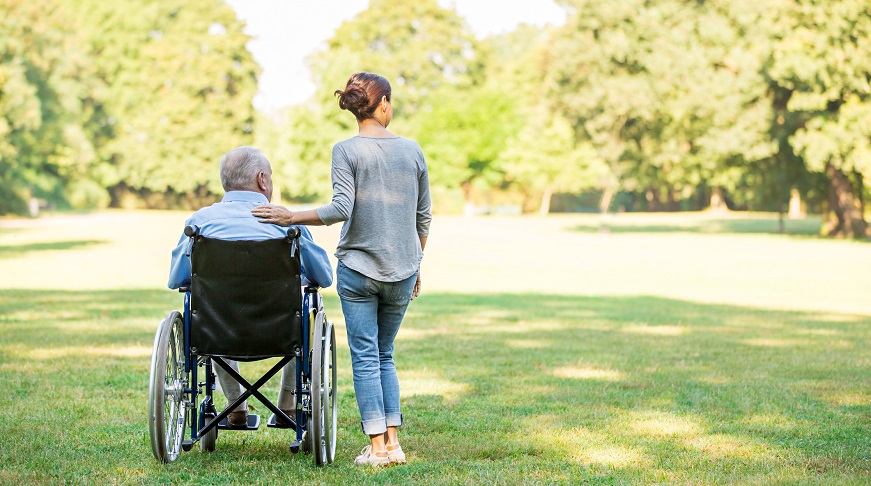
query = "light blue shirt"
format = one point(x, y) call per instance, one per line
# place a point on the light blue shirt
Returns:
point(231, 219)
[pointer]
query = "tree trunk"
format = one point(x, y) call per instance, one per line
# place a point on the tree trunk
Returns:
point(673, 203)
point(605, 202)
point(652, 199)
point(795, 210)
point(469, 204)
point(717, 204)
point(545, 201)
point(847, 208)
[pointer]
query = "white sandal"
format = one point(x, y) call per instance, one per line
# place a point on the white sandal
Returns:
point(396, 456)
point(374, 459)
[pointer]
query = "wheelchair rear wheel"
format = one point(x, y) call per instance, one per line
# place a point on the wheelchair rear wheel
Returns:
point(324, 392)
point(167, 411)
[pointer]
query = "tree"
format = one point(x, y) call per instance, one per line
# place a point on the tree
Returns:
point(824, 66)
point(668, 94)
point(180, 89)
point(430, 58)
point(299, 145)
point(418, 46)
point(48, 107)
point(544, 159)
point(463, 138)
point(467, 136)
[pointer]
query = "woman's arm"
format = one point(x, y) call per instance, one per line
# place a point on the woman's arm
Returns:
point(339, 209)
point(416, 291)
point(280, 215)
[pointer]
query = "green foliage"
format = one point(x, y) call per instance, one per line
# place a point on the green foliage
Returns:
point(826, 63)
point(825, 66)
point(47, 103)
point(299, 143)
point(664, 101)
point(463, 136)
point(133, 94)
point(544, 159)
point(180, 89)
point(669, 95)
point(418, 46)
point(429, 56)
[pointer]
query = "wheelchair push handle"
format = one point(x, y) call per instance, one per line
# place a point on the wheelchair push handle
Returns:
point(191, 230)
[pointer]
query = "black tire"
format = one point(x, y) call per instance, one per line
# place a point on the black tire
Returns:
point(167, 411)
point(208, 441)
point(324, 404)
point(306, 443)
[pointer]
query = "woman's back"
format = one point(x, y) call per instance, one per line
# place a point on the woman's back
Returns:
point(381, 187)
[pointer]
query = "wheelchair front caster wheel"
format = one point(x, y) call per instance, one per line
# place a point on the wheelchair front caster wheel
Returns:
point(306, 445)
point(294, 447)
point(208, 440)
point(187, 445)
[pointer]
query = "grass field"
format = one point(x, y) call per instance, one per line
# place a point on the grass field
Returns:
point(673, 348)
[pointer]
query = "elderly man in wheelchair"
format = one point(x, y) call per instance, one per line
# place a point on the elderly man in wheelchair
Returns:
point(250, 293)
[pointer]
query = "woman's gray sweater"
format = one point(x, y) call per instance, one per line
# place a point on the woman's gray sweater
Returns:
point(381, 192)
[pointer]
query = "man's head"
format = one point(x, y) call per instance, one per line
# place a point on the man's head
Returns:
point(246, 169)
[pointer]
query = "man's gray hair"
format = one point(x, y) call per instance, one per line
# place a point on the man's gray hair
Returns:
point(240, 166)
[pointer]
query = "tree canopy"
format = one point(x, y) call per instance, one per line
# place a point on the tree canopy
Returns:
point(654, 104)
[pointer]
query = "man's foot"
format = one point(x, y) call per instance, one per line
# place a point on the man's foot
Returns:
point(395, 454)
point(238, 419)
point(374, 459)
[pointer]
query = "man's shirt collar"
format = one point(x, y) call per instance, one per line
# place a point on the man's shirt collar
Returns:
point(245, 196)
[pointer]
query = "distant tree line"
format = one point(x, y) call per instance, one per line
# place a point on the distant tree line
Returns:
point(648, 105)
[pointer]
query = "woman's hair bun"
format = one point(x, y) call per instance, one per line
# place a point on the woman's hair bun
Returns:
point(353, 99)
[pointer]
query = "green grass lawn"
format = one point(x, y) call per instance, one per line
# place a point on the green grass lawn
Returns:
point(688, 349)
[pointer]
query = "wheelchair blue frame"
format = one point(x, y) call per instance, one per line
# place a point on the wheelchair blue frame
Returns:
point(198, 428)
point(175, 389)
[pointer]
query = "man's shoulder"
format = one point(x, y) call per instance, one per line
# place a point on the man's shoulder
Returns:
point(217, 210)
point(232, 220)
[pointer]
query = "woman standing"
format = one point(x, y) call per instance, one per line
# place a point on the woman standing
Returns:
point(381, 192)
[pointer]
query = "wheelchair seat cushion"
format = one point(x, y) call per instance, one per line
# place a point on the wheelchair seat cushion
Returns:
point(246, 302)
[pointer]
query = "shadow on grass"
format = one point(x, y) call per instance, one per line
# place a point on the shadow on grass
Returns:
point(495, 388)
point(705, 225)
point(18, 250)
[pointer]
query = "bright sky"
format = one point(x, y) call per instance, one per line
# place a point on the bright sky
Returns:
point(286, 31)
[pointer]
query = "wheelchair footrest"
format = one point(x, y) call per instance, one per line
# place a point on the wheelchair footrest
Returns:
point(253, 423)
point(273, 422)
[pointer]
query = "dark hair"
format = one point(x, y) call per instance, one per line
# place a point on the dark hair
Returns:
point(362, 94)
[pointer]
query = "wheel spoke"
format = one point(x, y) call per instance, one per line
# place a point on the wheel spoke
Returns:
point(167, 410)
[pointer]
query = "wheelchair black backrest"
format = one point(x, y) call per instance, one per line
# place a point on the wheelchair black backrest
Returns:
point(246, 302)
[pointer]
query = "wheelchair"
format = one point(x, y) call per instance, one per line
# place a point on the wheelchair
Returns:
point(244, 303)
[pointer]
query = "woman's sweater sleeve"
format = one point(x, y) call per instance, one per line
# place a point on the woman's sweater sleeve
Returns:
point(339, 209)
point(424, 202)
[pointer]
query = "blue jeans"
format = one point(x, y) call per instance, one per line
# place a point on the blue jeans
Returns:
point(373, 312)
